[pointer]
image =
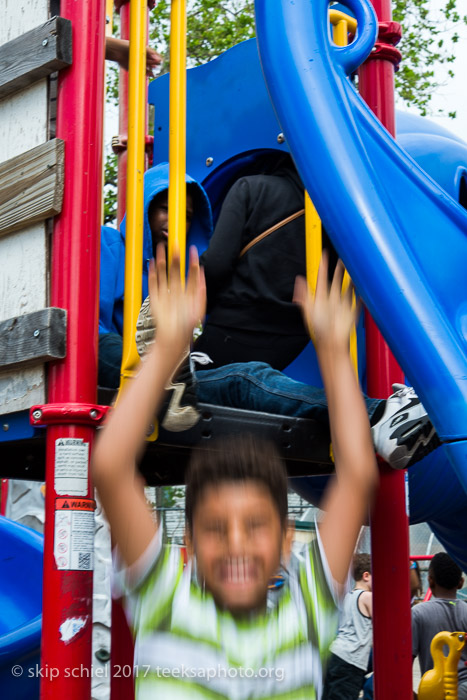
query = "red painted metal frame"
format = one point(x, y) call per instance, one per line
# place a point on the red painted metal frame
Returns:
point(389, 522)
point(75, 286)
point(68, 413)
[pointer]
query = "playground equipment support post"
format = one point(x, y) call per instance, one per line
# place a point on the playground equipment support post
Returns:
point(67, 599)
point(389, 521)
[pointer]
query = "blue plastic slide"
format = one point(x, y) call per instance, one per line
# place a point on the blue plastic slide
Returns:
point(20, 610)
point(402, 238)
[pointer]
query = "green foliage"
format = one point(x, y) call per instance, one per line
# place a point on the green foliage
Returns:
point(428, 41)
point(213, 26)
point(110, 189)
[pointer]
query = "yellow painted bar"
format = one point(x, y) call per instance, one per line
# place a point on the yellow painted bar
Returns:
point(336, 16)
point(109, 12)
point(342, 23)
point(135, 185)
point(339, 33)
point(177, 134)
point(353, 332)
point(313, 242)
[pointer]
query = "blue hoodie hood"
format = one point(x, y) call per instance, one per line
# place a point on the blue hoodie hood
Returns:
point(156, 180)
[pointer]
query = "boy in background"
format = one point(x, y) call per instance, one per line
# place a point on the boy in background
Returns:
point(208, 630)
point(442, 613)
point(351, 649)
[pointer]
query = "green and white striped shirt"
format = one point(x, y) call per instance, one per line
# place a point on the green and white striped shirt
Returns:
point(186, 647)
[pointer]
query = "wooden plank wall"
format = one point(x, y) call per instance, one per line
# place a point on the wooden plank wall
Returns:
point(23, 254)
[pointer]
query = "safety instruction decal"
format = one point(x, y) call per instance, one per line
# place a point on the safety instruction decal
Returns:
point(74, 534)
point(71, 467)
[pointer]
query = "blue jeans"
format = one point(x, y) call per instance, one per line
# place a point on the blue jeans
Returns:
point(257, 387)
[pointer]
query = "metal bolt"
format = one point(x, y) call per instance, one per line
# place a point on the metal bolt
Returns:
point(107, 19)
point(6, 427)
point(37, 415)
point(103, 655)
point(209, 161)
point(93, 413)
point(461, 637)
point(36, 333)
point(45, 42)
point(280, 138)
point(150, 430)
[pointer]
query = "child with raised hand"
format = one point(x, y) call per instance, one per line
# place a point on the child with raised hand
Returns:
point(209, 630)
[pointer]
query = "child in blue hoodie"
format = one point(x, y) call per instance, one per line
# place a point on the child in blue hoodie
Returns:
point(199, 229)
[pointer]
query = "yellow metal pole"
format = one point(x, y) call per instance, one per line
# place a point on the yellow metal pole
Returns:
point(336, 16)
point(339, 32)
point(341, 25)
point(177, 134)
point(109, 11)
point(313, 233)
point(135, 185)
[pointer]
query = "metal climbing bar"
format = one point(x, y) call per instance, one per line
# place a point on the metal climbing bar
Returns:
point(177, 134)
point(135, 185)
point(70, 414)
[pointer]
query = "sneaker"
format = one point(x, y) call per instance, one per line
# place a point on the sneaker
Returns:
point(404, 434)
point(179, 411)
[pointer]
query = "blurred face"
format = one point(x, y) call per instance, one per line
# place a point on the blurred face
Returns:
point(158, 216)
point(238, 539)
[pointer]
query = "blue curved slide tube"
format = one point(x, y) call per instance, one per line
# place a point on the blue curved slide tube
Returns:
point(402, 238)
point(21, 610)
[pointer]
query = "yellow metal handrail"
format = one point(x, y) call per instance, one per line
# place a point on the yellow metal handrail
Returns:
point(342, 24)
point(135, 185)
point(177, 135)
point(336, 17)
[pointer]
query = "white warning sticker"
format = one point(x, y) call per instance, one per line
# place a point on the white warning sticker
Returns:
point(74, 534)
point(71, 467)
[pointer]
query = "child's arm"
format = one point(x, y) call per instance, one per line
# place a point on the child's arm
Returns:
point(122, 440)
point(329, 317)
point(365, 603)
point(119, 50)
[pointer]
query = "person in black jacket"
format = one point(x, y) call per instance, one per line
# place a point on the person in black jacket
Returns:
point(252, 316)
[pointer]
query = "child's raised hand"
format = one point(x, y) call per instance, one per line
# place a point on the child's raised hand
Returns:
point(176, 310)
point(329, 315)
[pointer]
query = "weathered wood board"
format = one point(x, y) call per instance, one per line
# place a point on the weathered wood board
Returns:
point(36, 337)
point(24, 254)
point(31, 186)
point(35, 55)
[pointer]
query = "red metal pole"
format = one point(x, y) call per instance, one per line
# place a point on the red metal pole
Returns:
point(3, 496)
point(392, 635)
point(122, 119)
point(67, 600)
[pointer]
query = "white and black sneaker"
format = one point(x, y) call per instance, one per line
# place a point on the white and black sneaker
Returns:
point(404, 433)
point(179, 411)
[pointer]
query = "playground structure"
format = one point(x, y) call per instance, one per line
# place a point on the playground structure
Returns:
point(72, 390)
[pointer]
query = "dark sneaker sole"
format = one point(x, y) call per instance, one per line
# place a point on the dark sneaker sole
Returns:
point(416, 441)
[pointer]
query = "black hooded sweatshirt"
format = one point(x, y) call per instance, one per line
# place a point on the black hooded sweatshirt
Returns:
point(255, 292)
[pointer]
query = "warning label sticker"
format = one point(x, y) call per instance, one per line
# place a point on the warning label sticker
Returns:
point(74, 534)
point(71, 466)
